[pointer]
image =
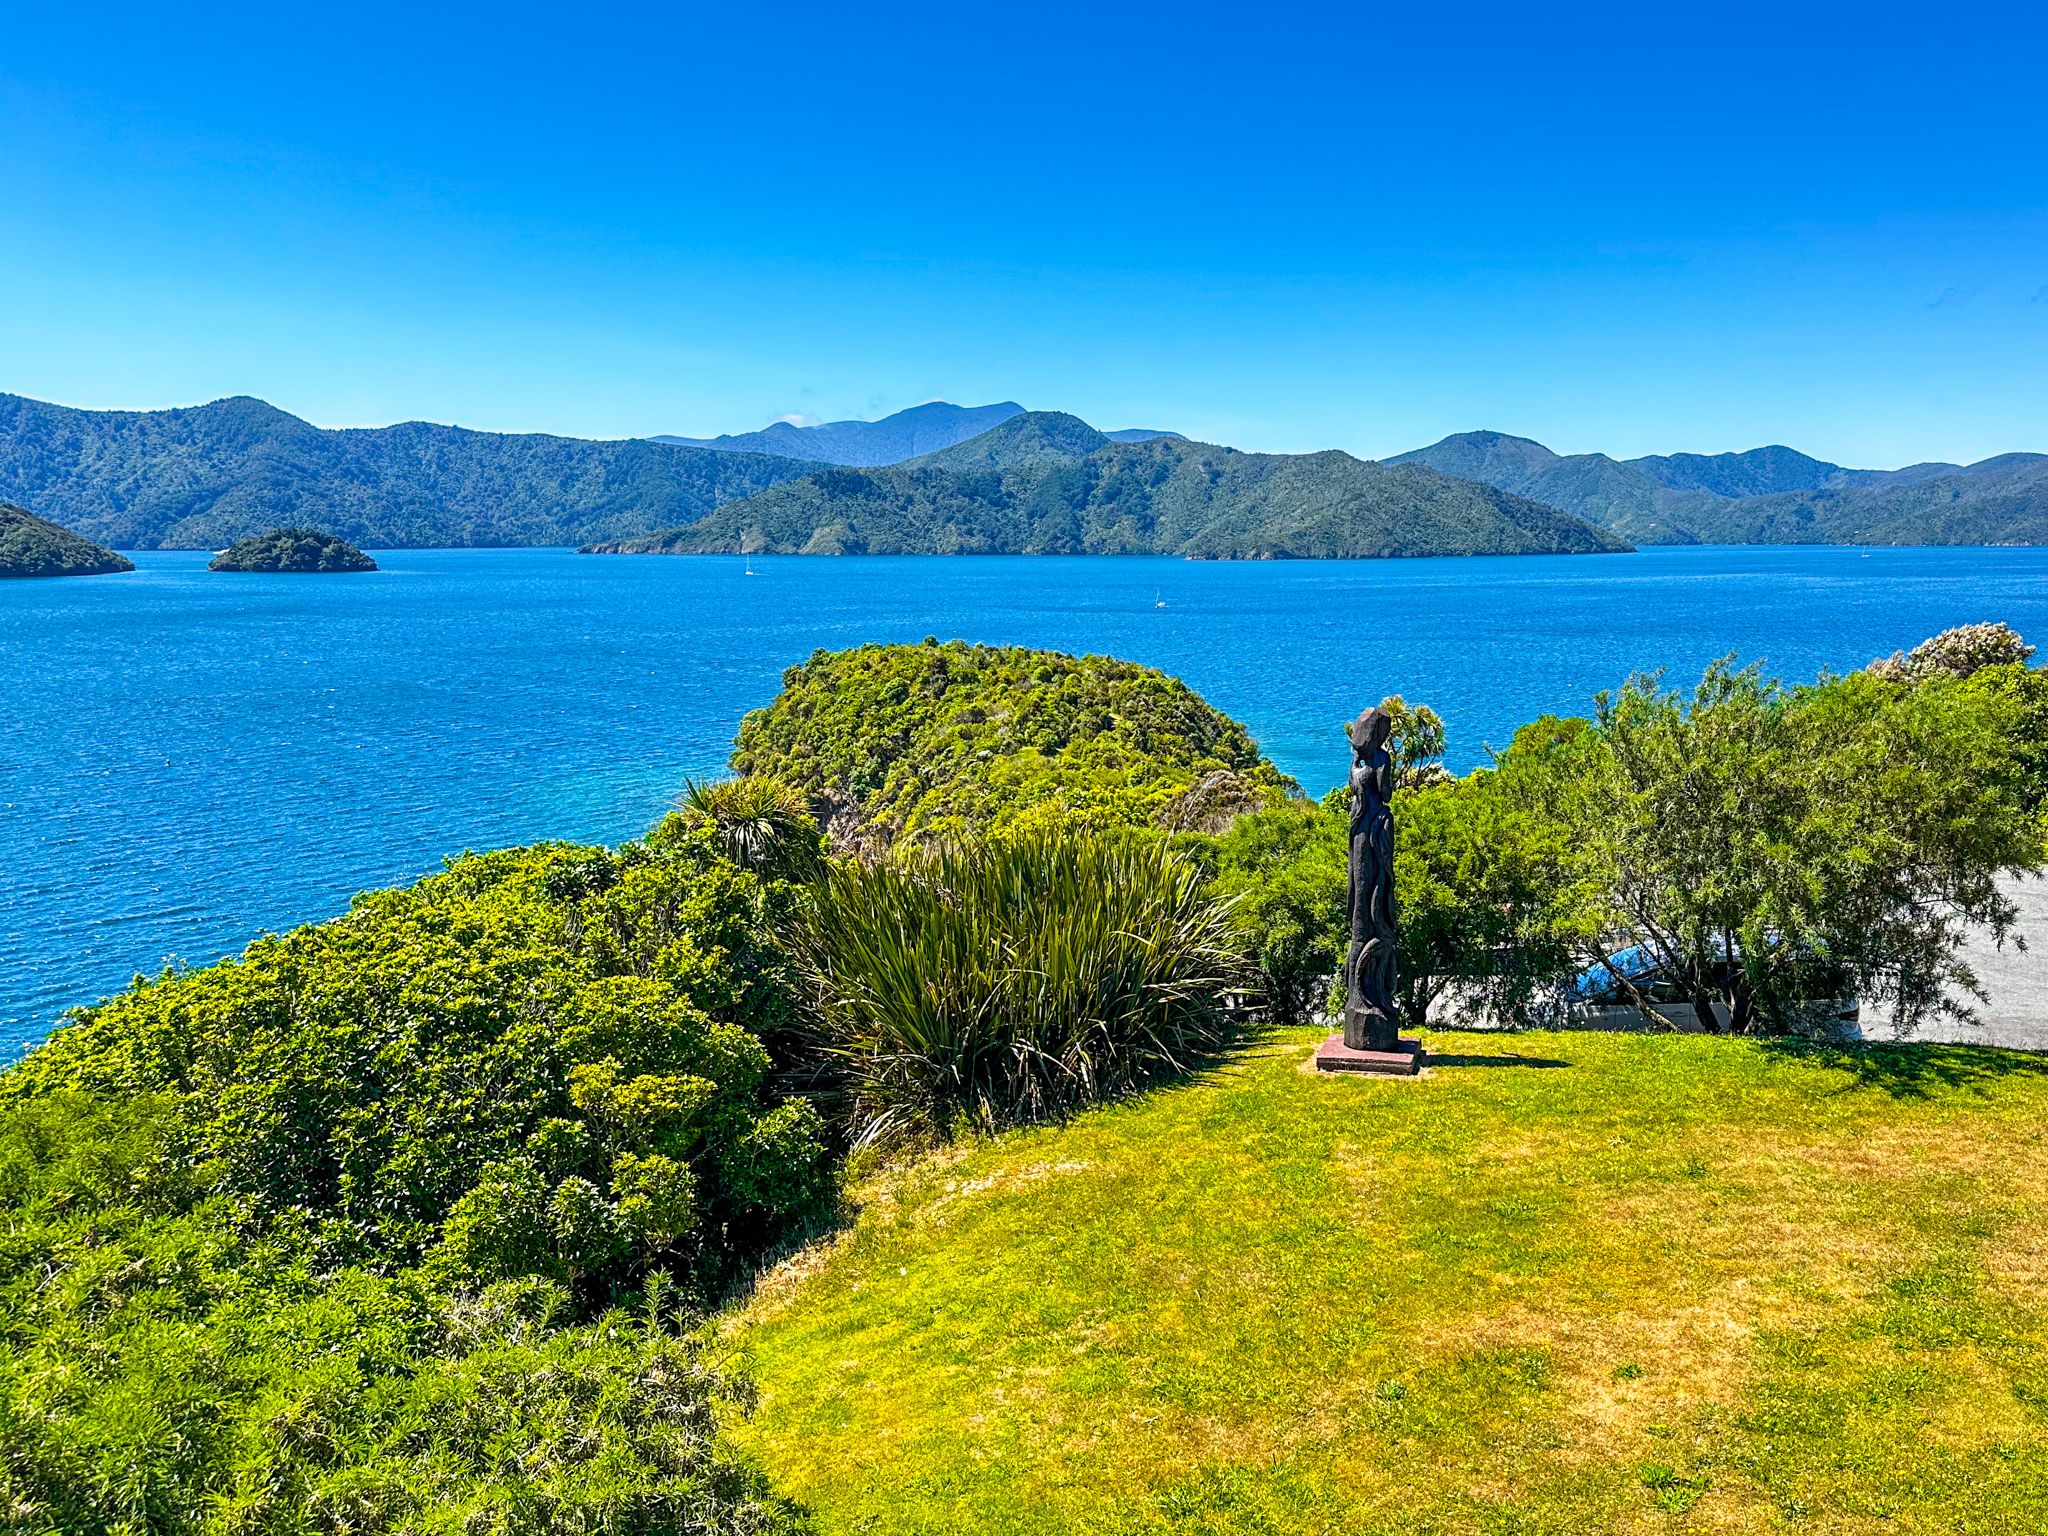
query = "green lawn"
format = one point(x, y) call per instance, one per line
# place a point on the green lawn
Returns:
point(1565, 1283)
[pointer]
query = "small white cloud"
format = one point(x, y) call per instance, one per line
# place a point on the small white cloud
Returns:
point(1947, 297)
point(796, 419)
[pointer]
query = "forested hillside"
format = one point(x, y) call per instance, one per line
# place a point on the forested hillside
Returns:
point(929, 428)
point(34, 546)
point(1047, 483)
point(1029, 483)
point(293, 551)
point(203, 477)
point(1770, 495)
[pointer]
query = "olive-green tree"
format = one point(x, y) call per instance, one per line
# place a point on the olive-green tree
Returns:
point(1416, 743)
point(1488, 901)
point(1485, 900)
point(1283, 871)
point(1766, 846)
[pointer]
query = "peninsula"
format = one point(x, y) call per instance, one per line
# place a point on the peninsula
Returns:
point(1046, 483)
point(34, 546)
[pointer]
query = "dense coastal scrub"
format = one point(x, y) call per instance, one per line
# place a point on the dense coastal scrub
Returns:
point(293, 551)
point(403, 1221)
point(545, 1061)
point(32, 546)
point(1840, 837)
point(1767, 847)
point(164, 1371)
point(1854, 829)
point(385, 1224)
point(933, 741)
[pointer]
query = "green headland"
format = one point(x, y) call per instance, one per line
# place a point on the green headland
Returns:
point(912, 1133)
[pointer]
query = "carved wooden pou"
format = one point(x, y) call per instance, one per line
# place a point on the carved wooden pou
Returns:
point(1369, 1020)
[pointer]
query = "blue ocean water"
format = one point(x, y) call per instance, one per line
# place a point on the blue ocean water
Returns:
point(190, 759)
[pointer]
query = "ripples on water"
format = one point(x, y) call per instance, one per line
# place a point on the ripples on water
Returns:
point(189, 759)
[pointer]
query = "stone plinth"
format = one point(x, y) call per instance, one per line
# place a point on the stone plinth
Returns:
point(1405, 1060)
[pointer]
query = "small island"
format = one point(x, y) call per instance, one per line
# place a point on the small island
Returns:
point(293, 551)
point(34, 546)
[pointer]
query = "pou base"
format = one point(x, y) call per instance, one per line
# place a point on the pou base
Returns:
point(1404, 1060)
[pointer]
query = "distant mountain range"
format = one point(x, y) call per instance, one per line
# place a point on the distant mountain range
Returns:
point(1770, 495)
point(203, 477)
point(1047, 483)
point(908, 434)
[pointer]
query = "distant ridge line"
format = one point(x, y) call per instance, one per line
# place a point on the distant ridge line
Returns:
point(1769, 495)
point(202, 477)
point(929, 428)
point(1047, 483)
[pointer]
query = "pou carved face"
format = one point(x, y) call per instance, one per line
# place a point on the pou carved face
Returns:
point(1369, 732)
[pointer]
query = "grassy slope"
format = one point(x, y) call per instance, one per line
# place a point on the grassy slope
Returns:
point(1672, 1284)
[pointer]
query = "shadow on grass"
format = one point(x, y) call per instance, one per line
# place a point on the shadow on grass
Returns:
point(1916, 1069)
point(1512, 1059)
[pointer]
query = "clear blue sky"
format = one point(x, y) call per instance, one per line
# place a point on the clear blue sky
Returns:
point(1634, 228)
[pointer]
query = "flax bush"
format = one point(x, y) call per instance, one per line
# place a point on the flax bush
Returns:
point(1007, 981)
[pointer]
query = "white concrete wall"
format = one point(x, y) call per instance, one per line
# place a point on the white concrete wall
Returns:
point(2016, 978)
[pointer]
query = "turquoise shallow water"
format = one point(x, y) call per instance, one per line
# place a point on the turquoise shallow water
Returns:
point(189, 759)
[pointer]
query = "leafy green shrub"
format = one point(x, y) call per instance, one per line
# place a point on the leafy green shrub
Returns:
point(1012, 980)
point(166, 1374)
point(1487, 900)
point(1416, 743)
point(2017, 697)
point(336, 1236)
point(1285, 872)
point(545, 1061)
point(930, 741)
